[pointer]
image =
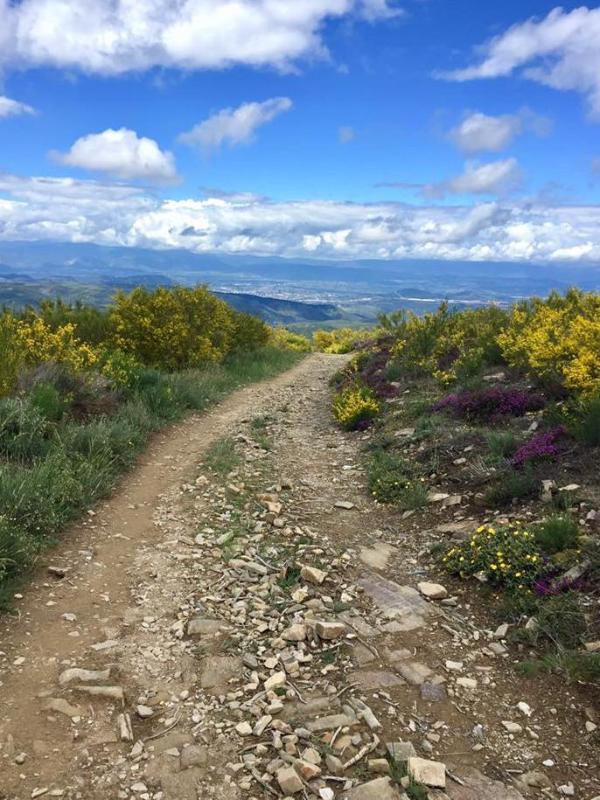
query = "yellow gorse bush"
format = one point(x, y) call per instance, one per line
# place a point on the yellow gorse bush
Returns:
point(341, 340)
point(557, 340)
point(445, 344)
point(27, 343)
point(282, 337)
point(173, 328)
point(354, 405)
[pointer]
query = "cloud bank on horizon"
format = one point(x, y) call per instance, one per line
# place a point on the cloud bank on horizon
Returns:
point(319, 100)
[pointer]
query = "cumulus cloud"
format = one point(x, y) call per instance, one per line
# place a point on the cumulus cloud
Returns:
point(560, 51)
point(111, 37)
point(65, 209)
point(234, 126)
point(122, 154)
point(495, 177)
point(480, 132)
point(13, 108)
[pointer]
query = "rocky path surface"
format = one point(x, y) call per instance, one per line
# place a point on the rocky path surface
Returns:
point(252, 625)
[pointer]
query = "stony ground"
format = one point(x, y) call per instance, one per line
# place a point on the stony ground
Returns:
point(242, 621)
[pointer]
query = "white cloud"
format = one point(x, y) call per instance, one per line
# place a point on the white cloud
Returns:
point(65, 209)
point(379, 9)
point(495, 177)
point(122, 154)
point(111, 37)
point(479, 132)
point(13, 108)
point(234, 126)
point(560, 51)
point(346, 134)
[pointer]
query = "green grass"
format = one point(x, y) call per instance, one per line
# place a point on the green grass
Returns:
point(388, 475)
point(54, 466)
point(558, 532)
point(586, 426)
point(414, 790)
point(258, 427)
point(511, 485)
point(502, 444)
point(221, 457)
point(575, 665)
point(290, 579)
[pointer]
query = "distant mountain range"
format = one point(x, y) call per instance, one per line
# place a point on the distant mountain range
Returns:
point(300, 293)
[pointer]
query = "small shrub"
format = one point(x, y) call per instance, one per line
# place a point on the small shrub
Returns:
point(544, 445)
point(512, 485)
point(502, 444)
point(355, 407)
point(556, 533)
point(16, 551)
point(24, 432)
point(560, 622)
point(585, 423)
point(388, 475)
point(490, 404)
point(413, 496)
point(47, 400)
point(507, 556)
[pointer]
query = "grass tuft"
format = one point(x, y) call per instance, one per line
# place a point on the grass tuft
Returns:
point(558, 532)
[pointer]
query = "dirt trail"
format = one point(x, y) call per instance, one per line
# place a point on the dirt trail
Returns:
point(186, 587)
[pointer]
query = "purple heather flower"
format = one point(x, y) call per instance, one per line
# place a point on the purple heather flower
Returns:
point(492, 403)
point(543, 445)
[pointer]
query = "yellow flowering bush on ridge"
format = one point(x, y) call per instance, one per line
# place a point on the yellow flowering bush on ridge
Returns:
point(505, 556)
point(353, 406)
point(172, 328)
point(29, 342)
point(282, 337)
point(340, 340)
point(557, 340)
point(447, 344)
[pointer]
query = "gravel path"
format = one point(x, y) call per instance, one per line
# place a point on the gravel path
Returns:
point(266, 633)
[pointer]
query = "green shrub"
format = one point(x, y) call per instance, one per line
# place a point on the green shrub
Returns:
point(413, 496)
point(47, 400)
point(502, 444)
point(24, 432)
point(16, 551)
point(507, 556)
point(560, 622)
point(556, 533)
point(585, 424)
point(388, 476)
point(511, 485)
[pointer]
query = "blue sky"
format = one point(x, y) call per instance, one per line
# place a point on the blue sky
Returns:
point(330, 128)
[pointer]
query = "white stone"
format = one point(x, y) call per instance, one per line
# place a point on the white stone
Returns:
point(433, 591)
point(430, 773)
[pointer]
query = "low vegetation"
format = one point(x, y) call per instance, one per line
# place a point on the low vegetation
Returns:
point(503, 406)
point(81, 391)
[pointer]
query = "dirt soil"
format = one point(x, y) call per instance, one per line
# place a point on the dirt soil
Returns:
point(223, 666)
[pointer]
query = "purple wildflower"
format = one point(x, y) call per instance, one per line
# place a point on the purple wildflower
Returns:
point(543, 445)
point(492, 403)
